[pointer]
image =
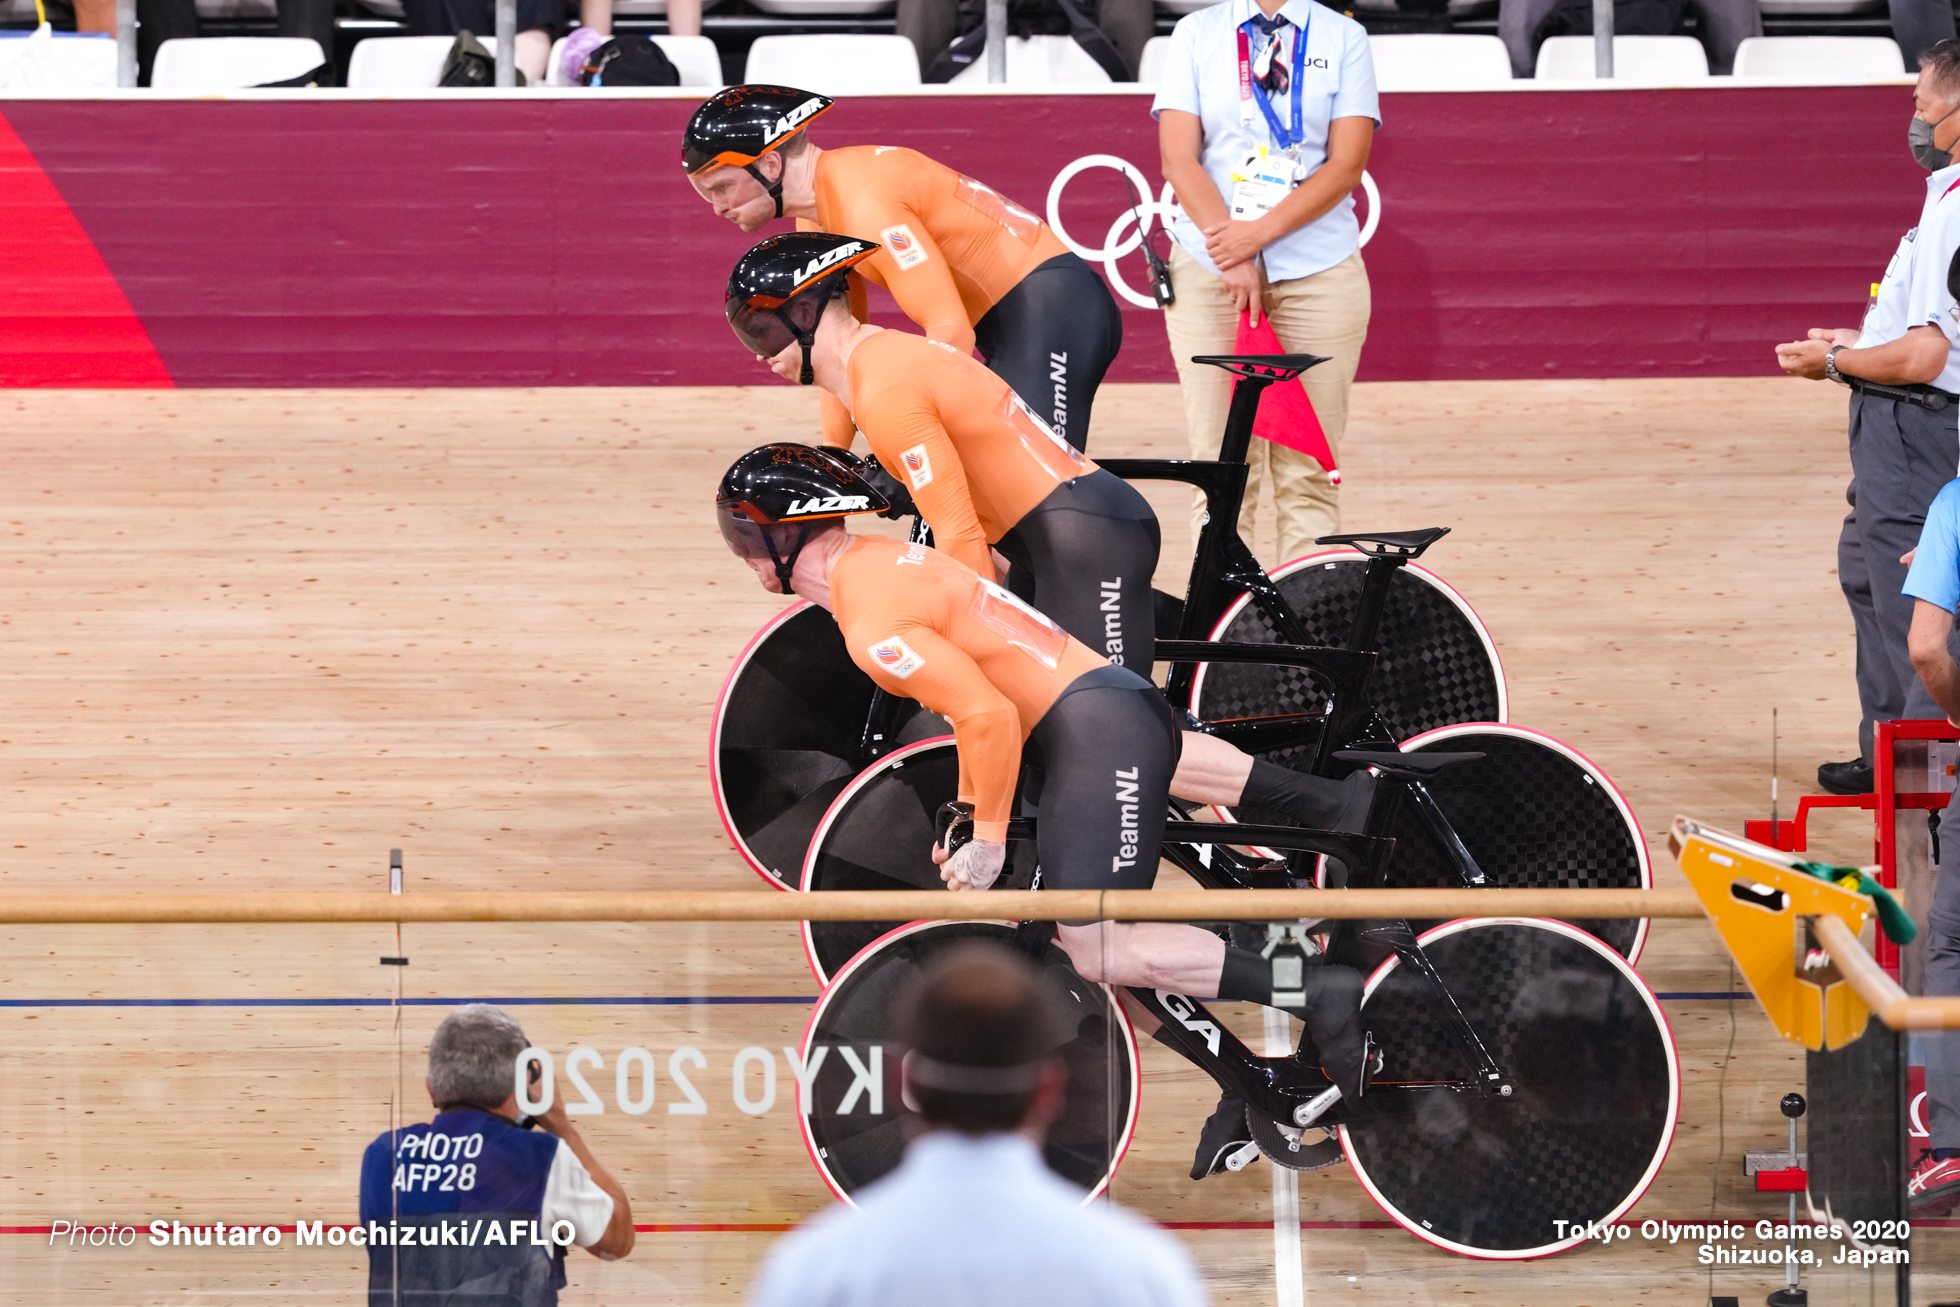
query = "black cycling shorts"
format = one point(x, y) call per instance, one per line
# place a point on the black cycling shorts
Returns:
point(1099, 770)
point(1051, 338)
point(1085, 556)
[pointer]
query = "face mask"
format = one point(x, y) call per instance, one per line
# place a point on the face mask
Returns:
point(1919, 135)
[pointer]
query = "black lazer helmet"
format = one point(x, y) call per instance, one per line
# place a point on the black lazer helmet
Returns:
point(771, 497)
point(740, 124)
point(780, 288)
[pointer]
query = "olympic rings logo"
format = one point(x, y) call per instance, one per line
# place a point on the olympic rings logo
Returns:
point(1121, 239)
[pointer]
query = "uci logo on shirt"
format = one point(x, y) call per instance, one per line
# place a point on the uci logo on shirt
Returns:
point(827, 504)
point(790, 121)
point(896, 657)
point(823, 261)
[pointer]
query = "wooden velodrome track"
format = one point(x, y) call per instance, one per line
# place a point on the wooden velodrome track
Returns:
point(255, 639)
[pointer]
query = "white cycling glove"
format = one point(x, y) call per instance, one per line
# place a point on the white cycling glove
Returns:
point(976, 866)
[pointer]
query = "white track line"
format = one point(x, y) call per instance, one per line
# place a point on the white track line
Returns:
point(1289, 1271)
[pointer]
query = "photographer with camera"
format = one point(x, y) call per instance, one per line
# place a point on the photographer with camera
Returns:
point(480, 1166)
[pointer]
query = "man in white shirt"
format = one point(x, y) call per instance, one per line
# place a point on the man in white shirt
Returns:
point(1903, 367)
point(972, 1215)
point(1265, 115)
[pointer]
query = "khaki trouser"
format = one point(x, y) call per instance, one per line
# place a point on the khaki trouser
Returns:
point(1325, 314)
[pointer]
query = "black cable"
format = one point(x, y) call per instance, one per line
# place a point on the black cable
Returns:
point(1160, 270)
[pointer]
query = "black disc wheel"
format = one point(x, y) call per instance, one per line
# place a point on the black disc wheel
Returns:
point(788, 735)
point(1595, 1088)
point(852, 1114)
point(1438, 665)
point(1534, 814)
point(878, 834)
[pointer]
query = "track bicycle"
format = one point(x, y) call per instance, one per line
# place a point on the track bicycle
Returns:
point(1530, 1074)
point(797, 720)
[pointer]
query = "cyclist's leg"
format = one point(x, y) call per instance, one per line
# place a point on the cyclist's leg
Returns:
point(1052, 338)
point(1209, 770)
point(1091, 547)
point(1108, 748)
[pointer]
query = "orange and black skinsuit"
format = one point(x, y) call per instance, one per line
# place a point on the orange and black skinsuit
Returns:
point(985, 471)
point(971, 267)
point(1103, 739)
point(1101, 744)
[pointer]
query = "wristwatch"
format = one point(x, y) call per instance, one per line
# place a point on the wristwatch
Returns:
point(1831, 367)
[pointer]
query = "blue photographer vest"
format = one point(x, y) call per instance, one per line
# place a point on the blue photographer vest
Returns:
point(451, 1211)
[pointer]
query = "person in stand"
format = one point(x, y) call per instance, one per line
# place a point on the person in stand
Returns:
point(972, 1215)
point(1265, 115)
point(479, 1166)
point(1106, 743)
point(968, 265)
point(984, 471)
point(1903, 370)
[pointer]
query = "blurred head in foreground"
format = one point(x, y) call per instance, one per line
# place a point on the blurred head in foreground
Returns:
point(984, 1027)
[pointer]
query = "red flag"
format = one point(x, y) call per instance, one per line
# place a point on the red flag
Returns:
point(1286, 415)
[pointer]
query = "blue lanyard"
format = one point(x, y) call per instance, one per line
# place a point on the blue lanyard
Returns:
point(1280, 135)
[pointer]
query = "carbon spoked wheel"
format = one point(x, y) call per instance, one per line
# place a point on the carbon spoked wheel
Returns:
point(1595, 1090)
point(787, 735)
point(851, 1115)
point(878, 834)
point(1438, 664)
point(1535, 815)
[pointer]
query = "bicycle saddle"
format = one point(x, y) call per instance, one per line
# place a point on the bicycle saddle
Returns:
point(1416, 766)
point(1280, 367)
point(1405, 544)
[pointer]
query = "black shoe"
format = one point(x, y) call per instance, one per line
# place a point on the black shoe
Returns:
point(1853, 777)
point(1357, 797)
point(1224, 1134)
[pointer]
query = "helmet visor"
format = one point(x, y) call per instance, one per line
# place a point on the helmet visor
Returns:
point(761, 330)
point(766, 542)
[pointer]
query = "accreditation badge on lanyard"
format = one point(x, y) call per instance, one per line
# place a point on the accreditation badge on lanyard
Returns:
point(1265, 175)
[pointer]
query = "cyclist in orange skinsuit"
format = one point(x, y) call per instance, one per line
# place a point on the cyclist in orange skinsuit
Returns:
point(983, 470)
point(1105, 743)
point(966, 264)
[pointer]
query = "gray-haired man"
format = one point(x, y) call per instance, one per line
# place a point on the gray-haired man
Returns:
point(478, 1166)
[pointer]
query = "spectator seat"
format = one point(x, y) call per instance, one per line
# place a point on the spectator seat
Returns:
point(61, 60)
point(398, 63)
point(1820, 60)
point(1645, 60)
point(227, 63)
point(695, 57)
point(835, 64)
point(1150, 65)
point(1438, 62)
point(1038, 61)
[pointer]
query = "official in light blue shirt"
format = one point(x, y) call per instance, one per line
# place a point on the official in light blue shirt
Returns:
point(1200, 77)
point(1266, 112)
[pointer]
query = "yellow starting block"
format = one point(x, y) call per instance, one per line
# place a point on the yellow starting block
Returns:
point(1762, 903)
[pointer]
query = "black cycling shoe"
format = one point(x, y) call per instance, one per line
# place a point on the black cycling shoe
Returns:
point(1357, 796)
point(1224, 1134)
point(1853, 777)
